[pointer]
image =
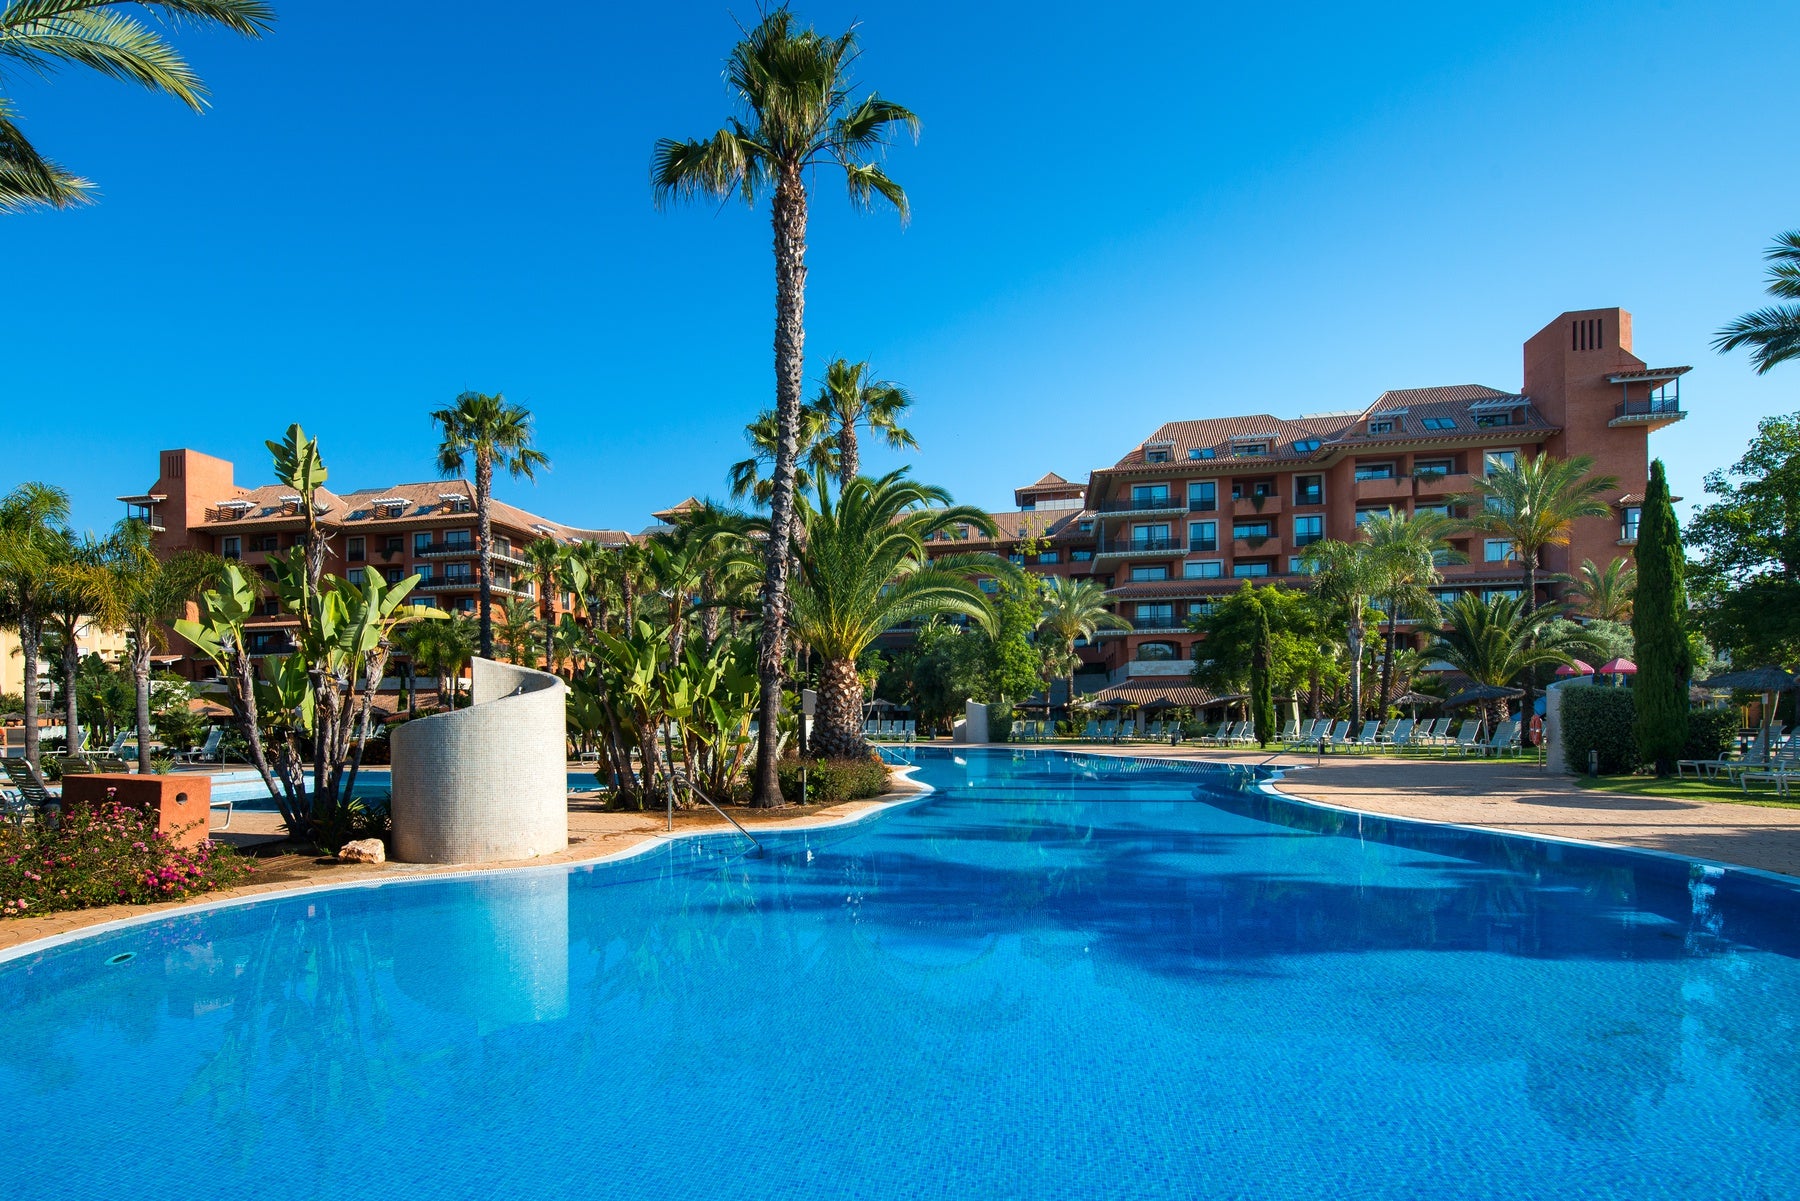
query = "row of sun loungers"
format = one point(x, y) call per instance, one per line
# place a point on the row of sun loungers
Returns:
point(1778, 768)
point(1405, 734)
point(892, 731)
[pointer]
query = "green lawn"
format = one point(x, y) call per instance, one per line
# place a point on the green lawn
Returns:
point(1688, 789)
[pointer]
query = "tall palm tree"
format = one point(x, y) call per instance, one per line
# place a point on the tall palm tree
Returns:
point(848, 399)
point(494, 433)
point(1348, 575)
point(793, 89)
point(41, 35)
point(32, 517)
point(1536, 504)
point(816, 451)
point(863, 571)
point(1407, 549)
point(1604, 593)
point(441, 648)
point(1497, 642)
point(547, 556)
point(1774, 332)
point(1075, 609)
point(153, 593)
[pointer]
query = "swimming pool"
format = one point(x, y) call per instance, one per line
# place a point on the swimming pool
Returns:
point(1059, 976)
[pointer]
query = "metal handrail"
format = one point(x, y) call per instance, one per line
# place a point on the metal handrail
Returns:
point(669, 781)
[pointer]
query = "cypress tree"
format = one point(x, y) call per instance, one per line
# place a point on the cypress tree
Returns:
point(1262, 693)
point(1659, 628)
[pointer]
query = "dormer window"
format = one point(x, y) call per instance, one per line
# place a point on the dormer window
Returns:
point(1249, 450)
point(1489, 420)
point(455, 502)
point(1156, 456)
point(1381, 427)
point(290, 504)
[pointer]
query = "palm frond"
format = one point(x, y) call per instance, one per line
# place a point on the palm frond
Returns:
point(1773, 333)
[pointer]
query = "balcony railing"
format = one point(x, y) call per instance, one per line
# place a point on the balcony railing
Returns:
point(1196, 545)
point(1200, 505)
point(1302, 540)
point(428, 549)
point(1140, 546)
point(1653, 406)
point(1141, 504)
point(447, 583)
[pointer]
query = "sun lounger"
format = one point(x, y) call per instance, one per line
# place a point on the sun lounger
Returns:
point(1397, 734)
point(1468, 737)
point(1366, 735)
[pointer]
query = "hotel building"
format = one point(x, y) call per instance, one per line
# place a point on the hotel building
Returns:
point(1200, 506)
point(426, 528)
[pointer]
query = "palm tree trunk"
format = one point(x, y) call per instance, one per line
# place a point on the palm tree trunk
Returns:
point(1387, 661)
point(140, 684)
point(30, 635)
point(838, 731)
point(484, 551)
point(788, 218)
point(71, 667)
point(1356, 670)
point(849, 462)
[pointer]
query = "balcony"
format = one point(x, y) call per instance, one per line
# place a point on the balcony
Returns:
point(1432, 483)
point(448, 583)
point(1255, 542)
point(1203, 504)
point(1202, 546)
point(1395, 489)
point(438, 550)
point(1158, 623)
point(1261, 506)
point(1139, 546)
point(1150, 504)
point(1653, 411)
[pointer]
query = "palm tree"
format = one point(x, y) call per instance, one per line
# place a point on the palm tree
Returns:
point(793, 89)
point(1498, 641)
point(495, 433)
point(1774, 332)
point(441, 648)
point(1604, 594)
point(32, 517)
point(1536, 504)
point(816, 457)
point(44, 34)
point(153, 593)
point(516, 629)
point(849, 398)
point(547, 557)
point(863, 571)
point(82, 597)
point(1349, 575)
point(1073, 610)
point(1407, 549)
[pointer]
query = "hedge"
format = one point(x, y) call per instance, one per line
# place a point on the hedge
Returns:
point(1600, 719)
point(829, 781)
point(1711, 733)
point(1000, 720)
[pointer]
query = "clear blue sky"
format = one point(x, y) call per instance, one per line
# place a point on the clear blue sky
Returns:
point(1122, 215)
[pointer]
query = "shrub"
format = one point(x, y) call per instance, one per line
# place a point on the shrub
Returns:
point(347, 821)
point(104, 854)
point(831, 780)
point(1600, 719)
point(1710, 733)
point(1000, 720)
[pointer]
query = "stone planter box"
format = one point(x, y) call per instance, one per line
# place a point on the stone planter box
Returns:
point(181, 804)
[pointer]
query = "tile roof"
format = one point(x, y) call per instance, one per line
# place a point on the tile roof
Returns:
point(419, 501)
point(1014, 524)
point(1173, 689)
point(1050, 480)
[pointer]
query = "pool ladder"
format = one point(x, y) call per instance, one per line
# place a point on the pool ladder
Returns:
point(669, 786)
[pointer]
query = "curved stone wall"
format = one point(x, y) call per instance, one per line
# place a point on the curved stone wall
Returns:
point(488, 782)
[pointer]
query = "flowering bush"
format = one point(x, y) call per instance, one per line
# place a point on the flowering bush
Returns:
point(105, 854)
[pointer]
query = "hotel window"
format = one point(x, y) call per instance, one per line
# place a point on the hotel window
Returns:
point(1439, 423)
point(1150, 496)
point(1203, 496)
point(1081, 556)
point(232, 547)
point(393, 574)
point(1447, 596)
point(1158, 652)
point(1308, 530)
point(456, 538)
point(1496, 550)
point(1250, 450)
point(269, 542)
point(1156, 456)
point(1306, 446)
point(422, 542)
point(1500, 460)
point(989, 586)
point(1150, 536)
point(1309, 489)
point(355, 575)
point(1086, 527)
point(1364, 515)
point(1493, 419)
point(1251, 529)
point(1016, 559)
point(1493, 594)
point(1159, 616)
point(1203, 535)
point(568, 601)
point(1205, 569)
point(423, 571)
point(1434, 468)
point(1374, 471)
point(1628, 528)
point(1440, 510)
point(393, 546)
point(1252, 570)
point(1049, 556)
point(1381, 427)
point(1202, 452)
point(1297, 565)
point(353, 550)
point(1140, 574)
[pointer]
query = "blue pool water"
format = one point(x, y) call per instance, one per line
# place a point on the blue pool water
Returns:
point(1057, 977)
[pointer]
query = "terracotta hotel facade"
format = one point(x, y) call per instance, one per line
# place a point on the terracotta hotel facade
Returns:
point(1200, 506)
point(1179, 521)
